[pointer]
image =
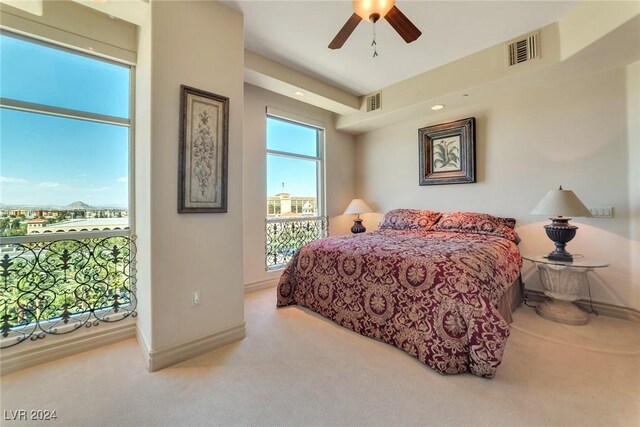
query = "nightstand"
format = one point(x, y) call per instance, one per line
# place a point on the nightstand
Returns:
point(561, 281)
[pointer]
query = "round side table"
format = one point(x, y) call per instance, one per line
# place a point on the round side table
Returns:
point(562, 281)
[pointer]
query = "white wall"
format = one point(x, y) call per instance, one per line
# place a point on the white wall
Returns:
point(339, 164)
point(142, 174)
point(577, 134)
point(199, 44)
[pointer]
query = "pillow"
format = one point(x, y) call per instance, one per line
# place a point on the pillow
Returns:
point(409, 219)
point(478, 223)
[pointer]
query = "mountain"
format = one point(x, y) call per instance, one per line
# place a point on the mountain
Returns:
point(78, 205)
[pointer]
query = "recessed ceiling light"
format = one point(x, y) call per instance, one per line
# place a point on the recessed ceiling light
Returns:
point(437, 107)
point(298, 94)
point(464, 95)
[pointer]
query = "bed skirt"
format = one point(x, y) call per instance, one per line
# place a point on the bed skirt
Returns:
point(511, 300)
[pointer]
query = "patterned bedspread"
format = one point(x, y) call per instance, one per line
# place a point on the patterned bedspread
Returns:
point(430, 293)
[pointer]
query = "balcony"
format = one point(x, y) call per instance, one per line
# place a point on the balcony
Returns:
point(55, 284)
point(286, 235)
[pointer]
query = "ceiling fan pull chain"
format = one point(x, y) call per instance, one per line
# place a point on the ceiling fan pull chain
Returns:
point(373, 43)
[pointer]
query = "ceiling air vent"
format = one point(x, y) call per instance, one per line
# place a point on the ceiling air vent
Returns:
point(373, 102)
point(523, 50)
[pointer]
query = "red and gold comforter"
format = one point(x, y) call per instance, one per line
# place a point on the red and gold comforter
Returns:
point(430, 293)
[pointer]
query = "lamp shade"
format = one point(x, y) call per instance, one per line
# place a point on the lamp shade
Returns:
point(357, 206)
point(561, 203)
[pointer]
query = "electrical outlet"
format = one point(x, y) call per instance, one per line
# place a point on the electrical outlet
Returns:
point(602, 212)
point(195, 298)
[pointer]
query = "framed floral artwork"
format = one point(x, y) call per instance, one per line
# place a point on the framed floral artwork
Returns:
point(202, 167)
point(447, 153)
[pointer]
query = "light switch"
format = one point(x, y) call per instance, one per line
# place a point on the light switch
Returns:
point(602, 212)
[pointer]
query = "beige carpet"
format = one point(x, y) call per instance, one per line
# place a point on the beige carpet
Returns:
point(295, 368)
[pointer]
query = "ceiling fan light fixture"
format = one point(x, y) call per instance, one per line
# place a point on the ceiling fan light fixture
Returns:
point(368, 9)
point(373, 11)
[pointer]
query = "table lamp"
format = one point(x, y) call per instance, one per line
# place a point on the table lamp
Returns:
point(357, 206)
point(561, 205)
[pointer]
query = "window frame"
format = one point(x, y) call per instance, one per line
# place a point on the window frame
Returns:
point(105, 314)
point(49, 110)
point(319, 219)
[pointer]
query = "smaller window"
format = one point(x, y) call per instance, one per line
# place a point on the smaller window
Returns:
point(295, 181)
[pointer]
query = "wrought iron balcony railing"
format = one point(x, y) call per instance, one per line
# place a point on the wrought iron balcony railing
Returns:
point(53, 285)
point(286, 235)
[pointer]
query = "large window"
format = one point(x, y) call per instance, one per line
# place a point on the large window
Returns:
point(294, 211)
point(67, 254)
point(65, 140)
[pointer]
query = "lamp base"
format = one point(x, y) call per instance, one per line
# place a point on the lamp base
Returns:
point(561, 232)
point(358, 227)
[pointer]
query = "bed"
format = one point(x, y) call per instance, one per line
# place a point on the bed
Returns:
point(430, 284)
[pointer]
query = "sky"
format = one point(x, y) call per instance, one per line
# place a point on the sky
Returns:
point(49, 160)
point(298, 176)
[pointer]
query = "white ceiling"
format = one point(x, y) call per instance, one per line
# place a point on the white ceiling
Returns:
point(297, 33)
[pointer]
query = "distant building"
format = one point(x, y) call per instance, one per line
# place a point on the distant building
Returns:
point(27, 213)
point(38, 226)
point(283, 204)
point(48, 214)
point(106, 213)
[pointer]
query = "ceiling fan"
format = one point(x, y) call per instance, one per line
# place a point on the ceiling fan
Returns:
point(373, 11)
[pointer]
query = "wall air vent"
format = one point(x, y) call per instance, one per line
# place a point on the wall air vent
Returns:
point(373, 102)
point(524, 49)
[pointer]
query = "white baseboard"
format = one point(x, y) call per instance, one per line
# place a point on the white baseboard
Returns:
point(161, 358)
point(261, 284)
point(602, 308)
point(143, 344)
point(28, 354)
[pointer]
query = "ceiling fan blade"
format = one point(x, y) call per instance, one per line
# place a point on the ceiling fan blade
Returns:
point(345, 32)
point(402, 25)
